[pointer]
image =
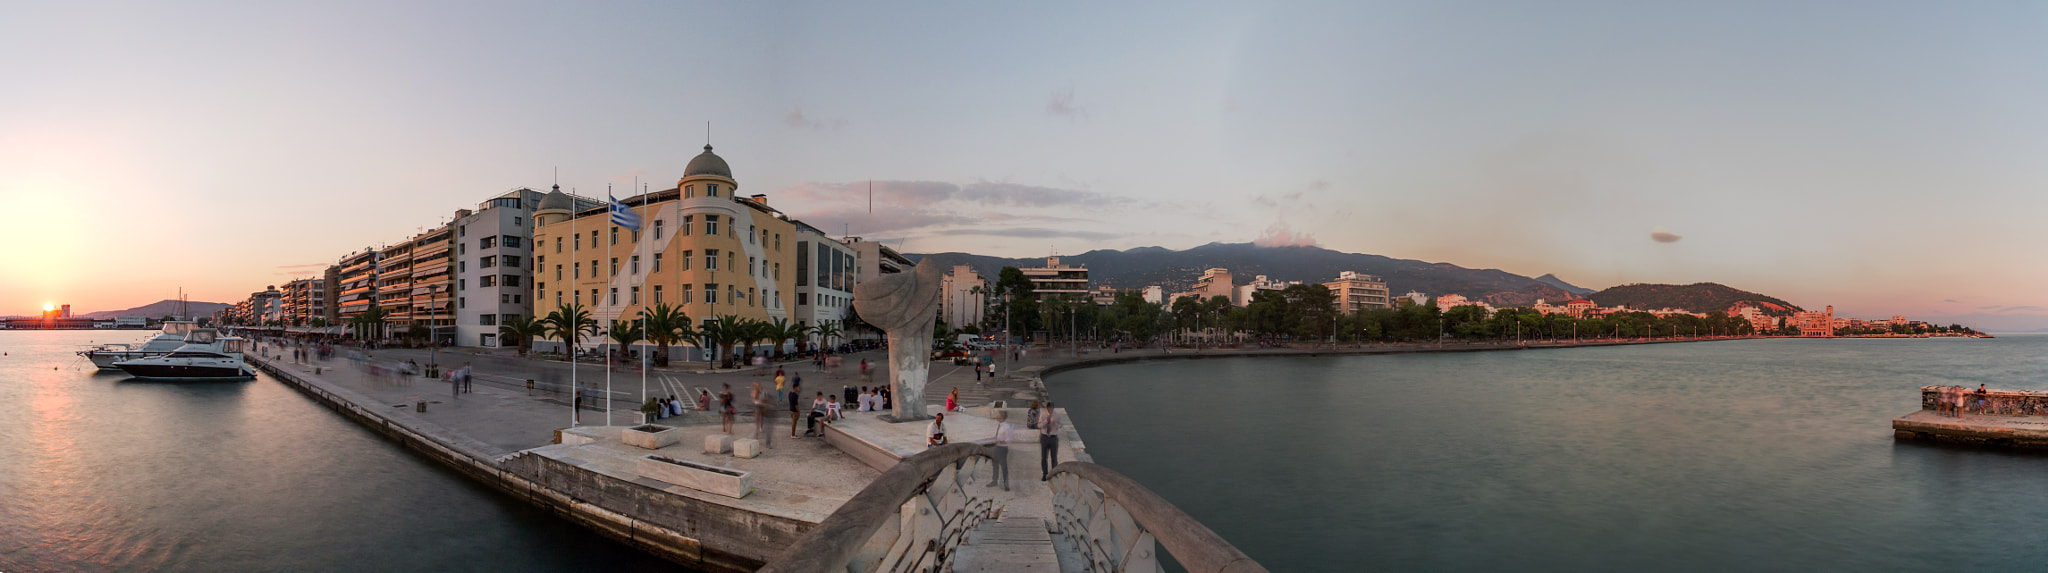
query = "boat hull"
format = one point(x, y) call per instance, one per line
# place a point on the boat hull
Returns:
point(106, 359)
point(163, 371)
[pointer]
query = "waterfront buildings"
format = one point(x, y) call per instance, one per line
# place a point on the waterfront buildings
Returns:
point(1058, 280)
point(355, 285)
point(1358, 291)
point(306, 302)
point(963, 300)
point(741, 252)
point(824, 277)
point(1213, 283)
point(1242, 295)
point(873, 259)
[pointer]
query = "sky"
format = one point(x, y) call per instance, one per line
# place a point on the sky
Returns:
point(1884, 158)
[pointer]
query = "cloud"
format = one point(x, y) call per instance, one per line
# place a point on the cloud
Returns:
point(1279, 235)
point(1062, 105)
point(1662, 236)
point(2002, 309)
point(305, 266)
point(797, 119)
point(1319, 185)
point(1032, 233)
point(1948, 300)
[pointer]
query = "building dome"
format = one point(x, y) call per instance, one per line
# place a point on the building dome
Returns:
point(707, 163)
point(556, 200)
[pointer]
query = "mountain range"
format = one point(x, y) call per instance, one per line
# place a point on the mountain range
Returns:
point(160, 309)
point(1177, 270)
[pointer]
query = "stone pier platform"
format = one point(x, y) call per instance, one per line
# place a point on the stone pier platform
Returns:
point(2000, 418)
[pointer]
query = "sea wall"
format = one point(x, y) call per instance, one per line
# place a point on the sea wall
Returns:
point(1992, 402)
point(681, 529)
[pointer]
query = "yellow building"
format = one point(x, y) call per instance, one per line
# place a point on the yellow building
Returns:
point(707, 249)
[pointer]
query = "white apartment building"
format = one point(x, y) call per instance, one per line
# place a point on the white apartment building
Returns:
point(963, 297)
point(824, 278)
point(1155, 294)
point(1243, 294)
point(1058, 280)
point(494, 266)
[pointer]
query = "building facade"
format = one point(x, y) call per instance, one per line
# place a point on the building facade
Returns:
point(963, 297)
point(494, 266)
point(1359, 291)
point(824, 278)
point(1058, 280)
point(701, 246)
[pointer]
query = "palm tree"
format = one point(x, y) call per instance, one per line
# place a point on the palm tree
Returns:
point(371, 320)
point(826, 331)
point(667, 325)
point(569, 323)
point(781, 330)
point(722, 333)
point(624, 333)
point(754, 333)
point(522, 330)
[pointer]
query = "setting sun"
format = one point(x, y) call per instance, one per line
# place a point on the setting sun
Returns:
point(47, 307)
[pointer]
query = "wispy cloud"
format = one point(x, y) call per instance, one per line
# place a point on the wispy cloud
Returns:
point(1062, 105)
point(1280, 235)
point(2003, 309)
point(1033, 233)
point(931, 208)
point(797, 119)
point(1662, 236)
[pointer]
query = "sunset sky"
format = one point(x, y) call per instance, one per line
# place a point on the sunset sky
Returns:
point(1886, 158)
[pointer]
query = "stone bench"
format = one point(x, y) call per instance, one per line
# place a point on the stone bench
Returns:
point(718, 443)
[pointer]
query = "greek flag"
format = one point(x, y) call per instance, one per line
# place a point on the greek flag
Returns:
point(624, 216)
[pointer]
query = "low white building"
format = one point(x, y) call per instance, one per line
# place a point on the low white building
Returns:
point(494, 266)
point(824, 278)
point(963, 300)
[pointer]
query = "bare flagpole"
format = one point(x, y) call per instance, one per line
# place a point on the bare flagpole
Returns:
point(608, 282)
point(575, 329)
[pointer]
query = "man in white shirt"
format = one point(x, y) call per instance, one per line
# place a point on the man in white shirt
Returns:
point(1048, 441)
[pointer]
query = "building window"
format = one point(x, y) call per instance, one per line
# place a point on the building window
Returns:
point(657, 294)
point(487, 319)
point(511, 280)
point(635, 265)
point(540, 290)
point(462, 248)
point(558, 272)
point(461, 266)
point(803, 263)
point(657, 263)
point(486, 242)
point(685, 227)
point(711, 293)
point(778, 242)
point(657, 229)
point(778, 271)
point(579, 243)
point(487, 281)
point(802, 299)
point(750, 266)
point(615, 266)
point(750, 296)
point(461, 284)
point(517, 296)
point(461, 302)
point(558, 245)
point(511, 242)
point(730, 258)
point(593, 268)
point(558, 298)
point(486, 262)
point(764, 237)
point(579, 270)
point(511, 261)
point(615, 296)
point(711, 190)
point(685, 261)
point(685, 295)
point(593, 297)
point(593, 239)
point(689, 191)
point(634, 295)
point(711, 259)
point(615, 235)
point(710, 224)
point(462, 230)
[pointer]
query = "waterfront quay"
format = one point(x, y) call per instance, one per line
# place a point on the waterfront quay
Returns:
point(522, 441)
point(1996, 418)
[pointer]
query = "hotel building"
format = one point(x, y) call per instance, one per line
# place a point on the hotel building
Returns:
point(1358, 291)
point(1058, 280)
point(824, 277)
point(701, 246)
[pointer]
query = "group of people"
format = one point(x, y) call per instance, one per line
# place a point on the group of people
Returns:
point(1046, 421)
point(1954, 400)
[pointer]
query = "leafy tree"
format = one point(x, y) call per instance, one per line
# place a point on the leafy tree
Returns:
point(624, 333)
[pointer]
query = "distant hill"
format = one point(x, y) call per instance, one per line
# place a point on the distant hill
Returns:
point(1697, 297)
point(160, 309)
point(1177, 270)
point(1552, 280)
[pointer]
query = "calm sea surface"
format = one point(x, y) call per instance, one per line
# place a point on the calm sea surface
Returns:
point(99, 473)
point(1771, 455)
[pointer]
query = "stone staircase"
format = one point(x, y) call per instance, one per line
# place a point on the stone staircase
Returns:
point(1008, 544)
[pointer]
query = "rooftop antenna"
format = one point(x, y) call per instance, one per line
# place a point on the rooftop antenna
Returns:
point(707, 134)
point(871, 196)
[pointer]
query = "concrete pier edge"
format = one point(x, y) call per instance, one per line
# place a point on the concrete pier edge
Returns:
point(655, 539)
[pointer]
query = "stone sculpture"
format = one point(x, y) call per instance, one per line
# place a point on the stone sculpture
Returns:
point(904, 305)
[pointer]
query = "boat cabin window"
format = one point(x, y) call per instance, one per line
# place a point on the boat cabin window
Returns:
point(234, 345)
point(195, 355)
point(201, 336)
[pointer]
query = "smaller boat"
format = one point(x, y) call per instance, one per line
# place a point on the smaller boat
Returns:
point(206, 355)
point(105, 355)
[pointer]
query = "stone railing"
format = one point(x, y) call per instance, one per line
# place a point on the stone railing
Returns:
point(910, 518)
point(1995, 402)
point(1118, 525)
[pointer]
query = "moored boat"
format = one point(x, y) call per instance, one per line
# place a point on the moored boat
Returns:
point(205, 356)
point(105, 355)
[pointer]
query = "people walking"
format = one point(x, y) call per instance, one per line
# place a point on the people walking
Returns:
point(1048, 441)
point(764, 407)
point(795, 393)
point(999, 452)
point(725, 412)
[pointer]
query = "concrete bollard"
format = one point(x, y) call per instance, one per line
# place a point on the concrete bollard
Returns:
point(718, 443)
point(419, 406)
point(747, 448)
point(316, 370)
point(529, 386)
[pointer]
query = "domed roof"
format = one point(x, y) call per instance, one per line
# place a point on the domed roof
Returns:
point(707, 163)
point(556, 200)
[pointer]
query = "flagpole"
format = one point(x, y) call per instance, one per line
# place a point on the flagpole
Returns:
point(575, 330)
point(614, 227)
point(643, 302)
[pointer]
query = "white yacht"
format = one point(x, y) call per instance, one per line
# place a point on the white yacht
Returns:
point(206, 355)
point(173, 336)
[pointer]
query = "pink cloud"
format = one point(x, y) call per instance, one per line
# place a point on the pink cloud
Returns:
point(1279, 235)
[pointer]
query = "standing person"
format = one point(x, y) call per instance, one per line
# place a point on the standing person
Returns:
point(764, 407)
point(1000, 452)
point(977, 370)
point(779, 380)
point(725, 411)
point(796, 392)
point(468, 376)
point(1048, 441)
